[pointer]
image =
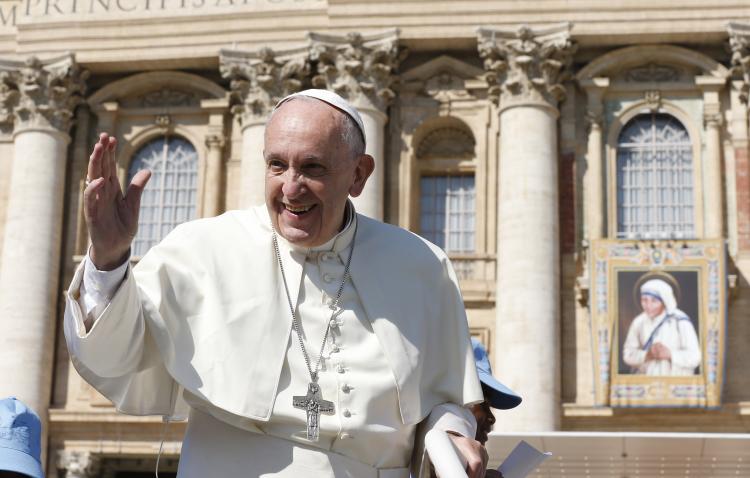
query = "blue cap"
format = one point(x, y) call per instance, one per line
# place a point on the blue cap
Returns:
point(497, 394)
point(20, 438)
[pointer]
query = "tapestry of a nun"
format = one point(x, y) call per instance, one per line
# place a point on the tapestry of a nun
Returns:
point(658, 322)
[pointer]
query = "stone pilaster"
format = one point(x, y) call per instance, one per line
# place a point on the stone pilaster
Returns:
point(40, 97)
point(713, 215)
point(525, 69)
point(212, 202)
point(361, 69)
point(258, 80)
point(78, 464)
point(594, 176)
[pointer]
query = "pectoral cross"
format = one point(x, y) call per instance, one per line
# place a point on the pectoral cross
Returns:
point(314, 404)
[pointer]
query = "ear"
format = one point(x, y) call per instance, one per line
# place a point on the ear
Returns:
point(363, 170)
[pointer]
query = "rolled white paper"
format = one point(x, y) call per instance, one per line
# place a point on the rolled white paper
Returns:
point(447, 460)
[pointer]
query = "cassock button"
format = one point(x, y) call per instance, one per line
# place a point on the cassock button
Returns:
point(345, 436)
point(340, 368)
point(328, 256)
point(327, 277)
point(346, 413)
point(346, 388)
point(335, 349)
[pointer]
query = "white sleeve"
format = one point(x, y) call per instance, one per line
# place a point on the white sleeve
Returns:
point(98, 288)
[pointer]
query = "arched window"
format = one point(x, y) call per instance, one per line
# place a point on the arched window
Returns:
point(655, 194)
point(447, 206)
point(170, 196)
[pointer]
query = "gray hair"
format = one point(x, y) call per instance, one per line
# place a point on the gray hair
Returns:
point(350, 134)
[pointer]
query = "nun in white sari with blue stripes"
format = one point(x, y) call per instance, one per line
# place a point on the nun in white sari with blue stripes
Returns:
point(661, 340)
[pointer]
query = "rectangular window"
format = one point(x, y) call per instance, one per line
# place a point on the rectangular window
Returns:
point(448, 211)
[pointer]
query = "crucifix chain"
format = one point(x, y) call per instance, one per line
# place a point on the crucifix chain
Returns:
point(313, 402)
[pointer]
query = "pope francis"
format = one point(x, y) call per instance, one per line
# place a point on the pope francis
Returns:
point(300, 338)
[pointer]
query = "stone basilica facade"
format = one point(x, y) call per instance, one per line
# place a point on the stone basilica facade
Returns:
point(560, 152)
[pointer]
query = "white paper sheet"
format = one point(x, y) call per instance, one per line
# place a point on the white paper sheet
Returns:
point(522, 460)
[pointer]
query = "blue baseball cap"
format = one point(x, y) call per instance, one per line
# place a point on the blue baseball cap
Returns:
point(497, 394)
point(20, 438)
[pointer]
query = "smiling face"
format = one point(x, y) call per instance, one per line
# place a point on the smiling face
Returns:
point(310, 171)
point(652, 306)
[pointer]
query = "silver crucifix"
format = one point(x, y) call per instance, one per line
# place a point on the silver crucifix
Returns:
point(314, 404)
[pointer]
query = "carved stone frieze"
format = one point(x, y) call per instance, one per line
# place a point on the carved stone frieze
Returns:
point(652, 73)
point(446, 87)
point(527, 65)
point(41, 94)
point(259, 79)
point(358, 67)
point(78, 464)
point(739, 43)
point(166, 97)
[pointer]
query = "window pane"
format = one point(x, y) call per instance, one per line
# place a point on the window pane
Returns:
point(447, 213)
point(169, 198)
point(654, 179)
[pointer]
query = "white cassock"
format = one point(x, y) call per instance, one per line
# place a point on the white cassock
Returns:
point(204, 317)
point(676, 333)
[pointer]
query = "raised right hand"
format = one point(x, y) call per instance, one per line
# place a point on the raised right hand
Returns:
point(111, 217)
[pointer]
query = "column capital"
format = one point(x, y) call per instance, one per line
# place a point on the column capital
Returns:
point(358, 67)
point(259, 79)
point(40, 94)
point(739, 43)
point(526, 66)
point(78, 464)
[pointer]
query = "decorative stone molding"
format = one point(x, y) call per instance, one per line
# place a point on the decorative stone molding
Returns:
point(41, 94)
point(651, 73)
point(525, 65)
point(167, 97)
point(215, 141)
point(653, 100)
point(78, 464)
point(259, 79)
point(739, 43)
point(358, 67)
point(447, 142)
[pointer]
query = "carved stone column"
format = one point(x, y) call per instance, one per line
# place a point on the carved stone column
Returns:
point(259, 79)
point(360, 68)
point(594, 177)
point(78, 464)
point(525, 69)
point(41, 97)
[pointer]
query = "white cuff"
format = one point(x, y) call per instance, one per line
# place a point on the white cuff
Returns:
point(98, 287)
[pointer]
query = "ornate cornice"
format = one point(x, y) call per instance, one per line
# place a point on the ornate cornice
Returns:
point(525, 65)
point(259, 79)
point(358, 67)
point(78, 464)
point(37, 94)
point(739, 43)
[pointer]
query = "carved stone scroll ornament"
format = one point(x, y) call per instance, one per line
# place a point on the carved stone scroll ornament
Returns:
point(526, 65)
point(359, 68)
point(739, 43)
point(258, 80)
point(78, 464)
point(41, 94)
